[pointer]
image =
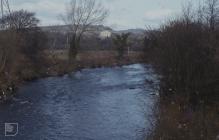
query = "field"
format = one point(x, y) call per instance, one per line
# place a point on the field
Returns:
point(89, 59)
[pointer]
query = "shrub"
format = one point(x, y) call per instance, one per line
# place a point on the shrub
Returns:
point(186, 56)
point(121, 42)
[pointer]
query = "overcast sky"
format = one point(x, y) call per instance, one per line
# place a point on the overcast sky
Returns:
point(124, 14)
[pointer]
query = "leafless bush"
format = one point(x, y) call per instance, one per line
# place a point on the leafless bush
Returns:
point(121, 43)
point(8, 42)
point(211, 10)
point(186, 51)
point(21, 48)
point(19, 20)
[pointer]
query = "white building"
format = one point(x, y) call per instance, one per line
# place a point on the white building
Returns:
point(105, 34)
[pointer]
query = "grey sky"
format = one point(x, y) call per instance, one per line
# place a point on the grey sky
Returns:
point(124, 14)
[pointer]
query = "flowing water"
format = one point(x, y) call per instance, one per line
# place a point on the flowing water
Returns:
point(92, 104)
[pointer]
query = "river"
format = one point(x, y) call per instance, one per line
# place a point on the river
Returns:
point(91, 104)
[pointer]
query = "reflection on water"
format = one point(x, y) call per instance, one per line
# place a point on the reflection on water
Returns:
point(93, 104)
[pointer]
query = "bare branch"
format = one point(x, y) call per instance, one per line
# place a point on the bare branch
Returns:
point(212, 13)
point(80, 16)
point(19, 20)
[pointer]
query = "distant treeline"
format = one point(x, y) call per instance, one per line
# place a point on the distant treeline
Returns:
point(59, 40)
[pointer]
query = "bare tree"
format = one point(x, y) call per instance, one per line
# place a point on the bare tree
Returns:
point(19, 20)
point(200, 13)
point(5, 8)
point(188, 13)
point(80, 15)
point(212, 13)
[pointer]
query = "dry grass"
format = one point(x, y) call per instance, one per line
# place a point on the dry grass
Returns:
point(177, 121)
point(89, 59)
point(86, 59)
point(106, 58)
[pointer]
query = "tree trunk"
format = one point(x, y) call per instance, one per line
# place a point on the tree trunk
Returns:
point(73, 50)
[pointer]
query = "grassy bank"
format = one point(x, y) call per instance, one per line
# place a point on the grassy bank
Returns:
point(89, 59)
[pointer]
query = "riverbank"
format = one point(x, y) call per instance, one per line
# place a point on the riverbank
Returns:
point(56, 64)
point(179, 117)
point(177, 120)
